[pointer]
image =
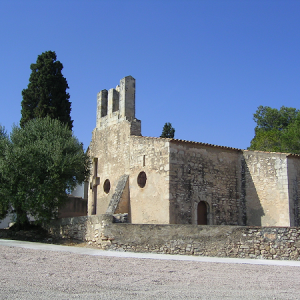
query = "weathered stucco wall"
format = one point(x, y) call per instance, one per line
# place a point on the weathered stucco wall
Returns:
point(222, 241)
point(111, 147)
point(149, 204)
point(266, 188)
point(116, 152)
point(205, 173)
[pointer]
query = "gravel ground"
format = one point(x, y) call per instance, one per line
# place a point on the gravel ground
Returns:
point(38, 274)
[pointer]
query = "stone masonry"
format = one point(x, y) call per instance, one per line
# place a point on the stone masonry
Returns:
point(182, 197)
point(220, 241)
point(170, 181)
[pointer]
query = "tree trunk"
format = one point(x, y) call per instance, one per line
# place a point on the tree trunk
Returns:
point(22, 221)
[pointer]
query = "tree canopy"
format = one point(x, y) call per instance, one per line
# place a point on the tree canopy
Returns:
point(41, 163)
point(276, 130)
point(168, 131)
point(46, 92)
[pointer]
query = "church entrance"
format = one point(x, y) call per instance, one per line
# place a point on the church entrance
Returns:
point(202, 213)
point(94, 205)
point(95, 183)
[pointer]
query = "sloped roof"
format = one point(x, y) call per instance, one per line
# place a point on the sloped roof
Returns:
point(215, 146)
point(190, 142)
point(204, 144)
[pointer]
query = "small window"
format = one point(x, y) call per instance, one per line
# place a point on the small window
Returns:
point(106, 186)
point(141, 180)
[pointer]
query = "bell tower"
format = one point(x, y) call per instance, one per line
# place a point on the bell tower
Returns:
point(117, 105)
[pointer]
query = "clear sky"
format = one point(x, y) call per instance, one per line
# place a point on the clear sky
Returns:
point(204, 66)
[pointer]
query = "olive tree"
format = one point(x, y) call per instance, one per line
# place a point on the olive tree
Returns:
point(41, 163)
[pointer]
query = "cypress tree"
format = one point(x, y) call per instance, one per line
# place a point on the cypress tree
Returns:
point(168, 131)
point(46, 92)
point(4, 195)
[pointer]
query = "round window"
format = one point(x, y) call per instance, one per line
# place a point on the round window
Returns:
point(141, 180)
point(106, 186)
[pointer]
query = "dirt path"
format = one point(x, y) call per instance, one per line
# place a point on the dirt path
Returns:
point(36, 274)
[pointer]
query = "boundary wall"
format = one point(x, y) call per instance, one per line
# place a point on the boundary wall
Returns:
point(207, 240)
point(74, 207)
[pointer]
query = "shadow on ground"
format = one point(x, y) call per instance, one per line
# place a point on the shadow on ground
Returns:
point(37, 234)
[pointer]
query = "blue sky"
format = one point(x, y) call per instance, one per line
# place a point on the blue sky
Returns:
point(204, 66)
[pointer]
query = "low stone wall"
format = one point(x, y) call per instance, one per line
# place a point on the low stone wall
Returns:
point(74, 207)
point(74, 228)
point(220, 241)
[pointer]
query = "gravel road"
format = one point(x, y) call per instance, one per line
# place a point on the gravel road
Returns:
point(40, 274)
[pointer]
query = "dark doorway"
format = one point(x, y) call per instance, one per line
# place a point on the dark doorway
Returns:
point(95, 182)
point(202, 213)
point(94, 205)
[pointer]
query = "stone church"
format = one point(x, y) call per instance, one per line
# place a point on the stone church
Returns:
point(170, 181)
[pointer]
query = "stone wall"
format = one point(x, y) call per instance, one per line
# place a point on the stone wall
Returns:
point(149, 204)
point(205, 173)
point(220, 241)
point(184, 182)
point(74, 207)
point(74, 228)
point(266, 189)
point(111, 149)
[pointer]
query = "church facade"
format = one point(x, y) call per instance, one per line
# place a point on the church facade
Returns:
point(170, 181)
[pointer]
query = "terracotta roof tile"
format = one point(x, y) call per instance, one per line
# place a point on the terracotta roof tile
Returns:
point(215, 146)
point(189, 142)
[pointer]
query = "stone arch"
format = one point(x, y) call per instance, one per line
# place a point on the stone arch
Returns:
point(202, 213)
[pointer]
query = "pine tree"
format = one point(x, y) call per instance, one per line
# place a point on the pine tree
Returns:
point(277, 130)
point(168, 131)
point(46, 92)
